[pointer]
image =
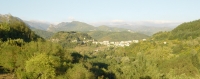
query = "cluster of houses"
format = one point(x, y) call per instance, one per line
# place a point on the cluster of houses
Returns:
point(107, 43)
point(112, 44)
point(117, 44)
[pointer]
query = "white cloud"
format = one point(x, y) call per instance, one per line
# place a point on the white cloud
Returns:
point(71, 18)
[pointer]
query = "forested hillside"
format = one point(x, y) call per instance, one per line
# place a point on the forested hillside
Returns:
point(68, 55)
point(14, 28)
point(116, 36)
point(186, 30)
point(70, 39)
point(42, 33)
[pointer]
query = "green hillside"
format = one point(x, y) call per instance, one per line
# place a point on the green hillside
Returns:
point(13, 28)
point(70, 39)
point(81, 27)
point(71, 26)
point(116, 36)
point(66, 56)
point(187, 30)
point(42, 33)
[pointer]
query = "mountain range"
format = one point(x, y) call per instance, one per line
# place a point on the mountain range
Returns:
point(81, 26)
point(38, 24)
point(120, 32)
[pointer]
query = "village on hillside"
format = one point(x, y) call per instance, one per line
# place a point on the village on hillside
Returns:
point(117, 44)
point(106, 43)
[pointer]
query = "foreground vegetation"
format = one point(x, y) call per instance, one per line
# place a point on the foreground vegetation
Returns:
point(163, 56)
point(149, 59)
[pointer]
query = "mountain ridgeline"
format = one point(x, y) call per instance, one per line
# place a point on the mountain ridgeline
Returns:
point(70, 26)
point(187, 30)
point(38, 24)
point(14, 28)
point(100, 33)
point(80, 26)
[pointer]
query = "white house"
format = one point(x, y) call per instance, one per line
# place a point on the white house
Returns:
point(135, 41)
point(112, 43)
point(144, 39)
point(95, 42)
point(165, 42)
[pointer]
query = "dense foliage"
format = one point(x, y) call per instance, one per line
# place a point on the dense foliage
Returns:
point(158, 58)
point(187, 30)
point(71, 39)
point(14, 28)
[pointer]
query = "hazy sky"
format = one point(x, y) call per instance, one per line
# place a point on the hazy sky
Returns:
point(91, 11)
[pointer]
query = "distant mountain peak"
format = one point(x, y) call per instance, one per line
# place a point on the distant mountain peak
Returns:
point(80, 26)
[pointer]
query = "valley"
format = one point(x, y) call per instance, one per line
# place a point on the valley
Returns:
point(77, 50)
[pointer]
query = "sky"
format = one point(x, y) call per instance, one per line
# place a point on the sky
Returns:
point(103, 11)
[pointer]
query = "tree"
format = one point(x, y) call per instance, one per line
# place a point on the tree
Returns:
point(41, 66)
point(79, 72)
